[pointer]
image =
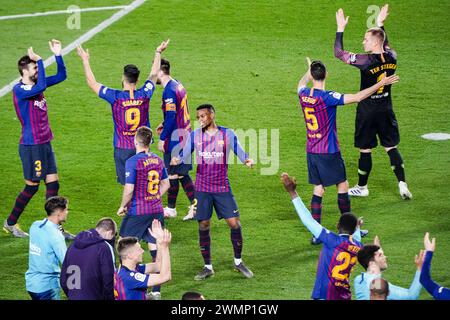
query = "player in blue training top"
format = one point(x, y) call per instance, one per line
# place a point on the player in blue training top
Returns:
point(35, 149)
point(372, 259)
point(174, 131)
point(325, 164)
point(130, 106)
point(339, 252)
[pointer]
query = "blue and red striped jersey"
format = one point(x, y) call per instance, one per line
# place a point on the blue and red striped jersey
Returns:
point(212, 151)
point(145, 171)
point(31, 106)
point(336, 261)
point(177, 121)
point(130, 284)
point(319, 111)
point(129, 111)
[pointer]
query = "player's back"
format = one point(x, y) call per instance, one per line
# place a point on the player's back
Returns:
point(337, 259)
point(174, 99)
point(377, 67)
point(147, 172)
point(130, 110)
point(319, 111)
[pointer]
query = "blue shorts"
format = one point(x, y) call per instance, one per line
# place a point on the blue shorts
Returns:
point(182, 169)
point(137, 226)
point(326, 169)
point(38, 161)
point(223, 202)
point(120, 157)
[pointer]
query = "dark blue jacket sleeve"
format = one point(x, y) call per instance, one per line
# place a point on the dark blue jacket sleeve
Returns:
point(107, 269)
point(186, 152)
point(237, 148)
point(28, 91)
point(60, 75)
point(438, 292)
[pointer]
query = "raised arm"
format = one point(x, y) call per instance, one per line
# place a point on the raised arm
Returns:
point(305, 216)
point(413, 292)
point(363, 94)
point(306, 77)
point(153, 76)
point(27, 91)
point(90, 78)
point(165, 273)
point(61, 74)
point(357, 60)
point(382, 16)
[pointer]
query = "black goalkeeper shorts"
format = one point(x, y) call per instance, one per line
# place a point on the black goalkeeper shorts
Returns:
point(369, 125)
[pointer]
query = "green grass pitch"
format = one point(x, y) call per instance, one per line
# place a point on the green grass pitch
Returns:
point(244, 57)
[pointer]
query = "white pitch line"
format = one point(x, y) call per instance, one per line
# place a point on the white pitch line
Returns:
point(48, 13)
point(85, 37)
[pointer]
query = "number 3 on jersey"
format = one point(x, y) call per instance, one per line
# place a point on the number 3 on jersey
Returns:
point(311, 120)
point(153, 182)
point(133, 118)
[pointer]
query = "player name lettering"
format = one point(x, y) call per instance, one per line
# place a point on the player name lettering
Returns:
point(150, 161)
point(151, 198)
point(128, 103)
point(309, 100)
point(129, 133)
point(383, 67)
point(353, 249)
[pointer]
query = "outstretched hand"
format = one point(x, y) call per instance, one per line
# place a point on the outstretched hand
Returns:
point(429, 245)
point(390, 80)
point(418, 259)
point(341, 20)
point(55, 46)
point(384, 12)
point(33, 56)
point(156, 231)
point(376, 241)
point(84, 55)
point(289, 184)
point(163, 46)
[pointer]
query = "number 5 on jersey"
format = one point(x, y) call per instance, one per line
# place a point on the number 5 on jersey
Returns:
point(311, 119)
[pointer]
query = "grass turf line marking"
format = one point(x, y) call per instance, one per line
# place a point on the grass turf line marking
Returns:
point(48, 13)
point(82, 39)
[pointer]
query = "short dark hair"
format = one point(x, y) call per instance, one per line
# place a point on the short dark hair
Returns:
point(192, 295)
point(318, 70)
point(54, 203)
point(378, 32)
point(347, 223)
point(165, 66)
point(206, 106)
point(367, 254)
point(124, 244)
point(144, 136)
point(131, 73)
point(106, 224)
point(23, 63)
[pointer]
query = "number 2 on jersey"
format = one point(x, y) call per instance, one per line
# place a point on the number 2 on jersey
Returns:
point(311, 120)
point(380, 77)
point(347, 260)
point(133, 118)
point(153, 182)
